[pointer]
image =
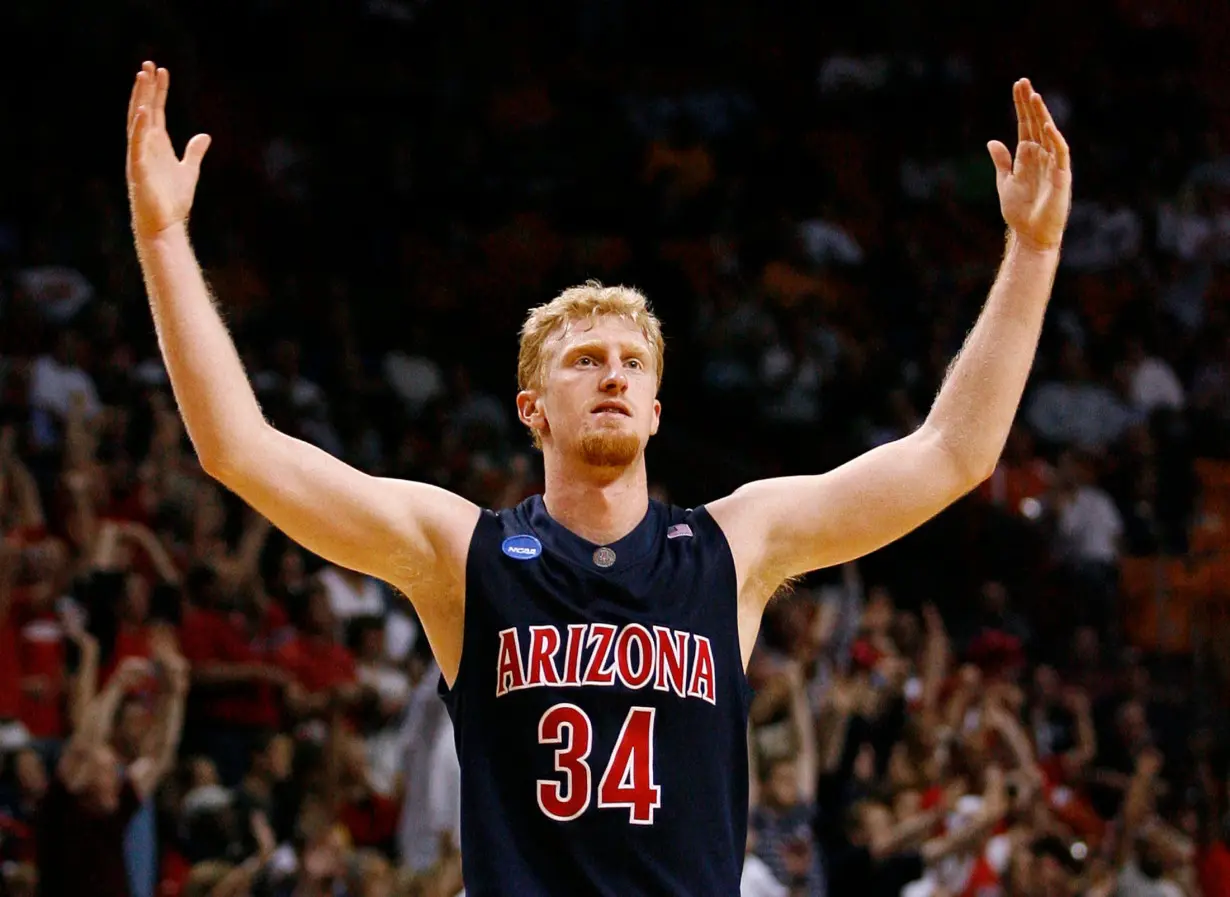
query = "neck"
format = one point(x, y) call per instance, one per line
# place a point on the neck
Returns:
point(601, 505)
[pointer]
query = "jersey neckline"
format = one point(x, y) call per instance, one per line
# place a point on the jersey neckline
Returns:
point(630, 549)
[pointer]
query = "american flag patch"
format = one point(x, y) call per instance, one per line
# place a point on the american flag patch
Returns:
point(678, 530)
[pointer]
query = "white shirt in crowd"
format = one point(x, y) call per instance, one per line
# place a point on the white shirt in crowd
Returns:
point(444, 786)
point(1086, 415)
point(758, 880)
point(417, 838)
point(1091, 525)
point(1133, 883)
point(351, 596)
point(53, 385)
point(1155, 385)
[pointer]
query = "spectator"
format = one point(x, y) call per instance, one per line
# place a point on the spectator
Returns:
point(90, 801)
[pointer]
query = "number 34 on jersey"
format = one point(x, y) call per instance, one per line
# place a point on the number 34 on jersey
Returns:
point(603, 655)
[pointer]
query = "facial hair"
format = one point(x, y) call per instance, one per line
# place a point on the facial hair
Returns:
point(609, 448)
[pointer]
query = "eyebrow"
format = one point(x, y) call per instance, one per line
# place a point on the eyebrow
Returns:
point(601, 347)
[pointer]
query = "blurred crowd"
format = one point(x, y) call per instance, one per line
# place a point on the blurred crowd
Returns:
point(1027, 697)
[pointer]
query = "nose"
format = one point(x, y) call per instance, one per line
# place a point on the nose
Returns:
point(614, 380)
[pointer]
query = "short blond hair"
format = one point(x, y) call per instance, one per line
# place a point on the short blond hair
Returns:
point(586, 302)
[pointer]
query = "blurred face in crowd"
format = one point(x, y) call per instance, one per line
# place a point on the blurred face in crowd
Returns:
point(103, 792)
point(878, 615)
point(781, 787)
point(131, 728)
point(1051, 878)
point(1133, 725)
point(31, 774)
point(1046, 684)
point(375, 876)
point(598, 402)
point(870, 817)
point(202, 772)
point(136, 599)
point(276, 760)
point(319, 614)
point(290, 568)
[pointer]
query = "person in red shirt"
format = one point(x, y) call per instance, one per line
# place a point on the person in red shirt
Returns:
point(41, 643)
point(322, 668)
point(234, 674)
point(120, 592)
point(369, 817)
point(90, 801)
point(19, 814)
point(10, 662)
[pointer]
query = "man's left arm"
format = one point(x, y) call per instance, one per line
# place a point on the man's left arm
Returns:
point(784, 527)
point(149, 769)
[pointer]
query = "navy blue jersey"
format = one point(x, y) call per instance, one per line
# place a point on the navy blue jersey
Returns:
point(600, 710)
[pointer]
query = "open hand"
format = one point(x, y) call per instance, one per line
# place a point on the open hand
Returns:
point(1035, 187)
point(160, 185)
point(131, 672)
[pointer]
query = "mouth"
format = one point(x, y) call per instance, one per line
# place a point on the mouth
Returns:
point(618, 409)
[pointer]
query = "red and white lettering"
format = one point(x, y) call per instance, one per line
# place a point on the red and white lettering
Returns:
point(702, 683)
point(600, 670)
point(572, 654)
point(509, 674)
point(672, 660)
point(544, 644)
point(634, 677)
point(566, 800)
point(628, 780)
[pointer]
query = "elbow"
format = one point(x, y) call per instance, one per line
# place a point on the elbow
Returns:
point(226, 458)
point(971, 461)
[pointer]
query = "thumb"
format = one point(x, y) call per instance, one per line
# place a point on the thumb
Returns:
point(1002, 159)
point(195, 151)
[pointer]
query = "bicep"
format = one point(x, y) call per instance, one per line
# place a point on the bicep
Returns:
point(792, 525)
point(385, 528)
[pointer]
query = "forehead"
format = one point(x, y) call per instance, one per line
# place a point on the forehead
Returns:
point(604, 329)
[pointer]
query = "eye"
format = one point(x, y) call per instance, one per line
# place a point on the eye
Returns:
point(635, 364)
point(586, 361)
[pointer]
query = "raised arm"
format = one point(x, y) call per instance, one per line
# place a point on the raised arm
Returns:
point(94, 729)
point(149, 769)
point(788, 526)
point(412, 535)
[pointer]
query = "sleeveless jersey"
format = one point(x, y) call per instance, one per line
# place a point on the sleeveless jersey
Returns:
point(600, 710)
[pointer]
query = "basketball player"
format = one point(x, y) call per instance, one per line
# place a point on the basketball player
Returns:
point(592, 643)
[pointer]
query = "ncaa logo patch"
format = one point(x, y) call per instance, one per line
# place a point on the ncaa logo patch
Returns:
point(522, 548)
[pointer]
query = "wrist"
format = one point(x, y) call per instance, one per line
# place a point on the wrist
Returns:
point(1023, 244)
point(154, 237)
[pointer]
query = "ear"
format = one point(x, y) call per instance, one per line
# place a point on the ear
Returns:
point(657, 418)
point(530, 410)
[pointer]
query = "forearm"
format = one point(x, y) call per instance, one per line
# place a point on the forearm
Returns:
point(975, 407)
point(909, 832)
point(171, 726)
point(85, 683)
point(805, 728)
point(162, 562)
point(1018, 743)
point(29, 503)
point(835, 726)
point(215, 398)
point(96, 721)
point(966, 838)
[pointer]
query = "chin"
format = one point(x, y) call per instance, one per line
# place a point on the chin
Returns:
point(610, 447)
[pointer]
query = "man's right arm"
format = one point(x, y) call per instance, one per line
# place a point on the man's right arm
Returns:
point(94, 729)
point(411, 535)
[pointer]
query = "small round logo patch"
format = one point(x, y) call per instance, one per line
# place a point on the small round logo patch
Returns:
point(604, 557)
point(522, 548)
